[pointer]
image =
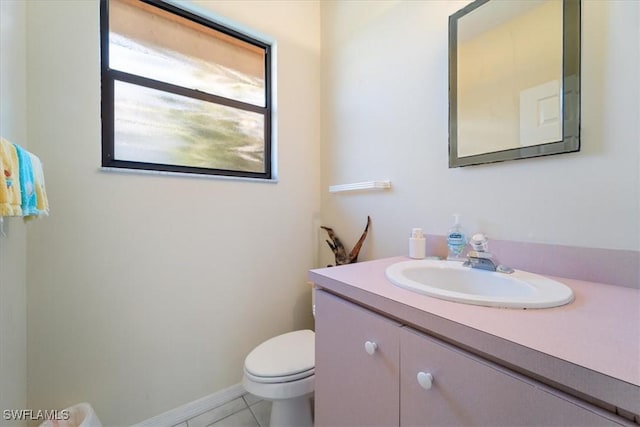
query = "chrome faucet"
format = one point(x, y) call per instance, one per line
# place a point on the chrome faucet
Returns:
point(481, 258)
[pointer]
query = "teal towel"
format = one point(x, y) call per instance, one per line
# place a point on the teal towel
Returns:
point(27, 188)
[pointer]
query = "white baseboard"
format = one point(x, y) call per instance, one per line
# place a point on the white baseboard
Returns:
point(192, 409)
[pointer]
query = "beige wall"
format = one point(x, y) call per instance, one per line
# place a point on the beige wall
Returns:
point(386, 116)
point(147, 291)
point(13, 246)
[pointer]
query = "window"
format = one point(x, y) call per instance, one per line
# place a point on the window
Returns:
point(181, 93)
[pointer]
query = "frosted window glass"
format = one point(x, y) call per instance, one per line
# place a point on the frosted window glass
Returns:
point(149, 42)
point(153, 126)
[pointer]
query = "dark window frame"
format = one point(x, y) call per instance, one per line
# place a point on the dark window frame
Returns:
point(109, 76)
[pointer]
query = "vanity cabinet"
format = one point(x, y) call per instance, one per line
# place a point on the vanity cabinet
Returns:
point(353, 387)
point(368, 369)
point(467, 391)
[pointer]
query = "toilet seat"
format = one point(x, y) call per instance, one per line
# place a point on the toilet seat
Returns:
point(287, 357)
point(279, 379)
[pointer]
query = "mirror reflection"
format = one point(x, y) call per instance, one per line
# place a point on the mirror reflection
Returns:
point(513, 80)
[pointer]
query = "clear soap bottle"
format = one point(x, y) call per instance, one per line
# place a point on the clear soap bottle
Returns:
point(456, 241)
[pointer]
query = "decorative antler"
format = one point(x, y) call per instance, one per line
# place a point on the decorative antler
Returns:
point(338, 248)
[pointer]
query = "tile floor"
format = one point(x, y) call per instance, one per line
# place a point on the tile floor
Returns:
point(245, 411)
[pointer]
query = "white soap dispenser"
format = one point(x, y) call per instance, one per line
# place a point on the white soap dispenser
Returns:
point(456, 241)
point(417, 244)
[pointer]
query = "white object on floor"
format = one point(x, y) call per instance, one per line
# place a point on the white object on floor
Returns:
point(80, 415)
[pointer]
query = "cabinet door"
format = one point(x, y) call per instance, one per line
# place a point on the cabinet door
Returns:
point(472, 392)
point(353, 387)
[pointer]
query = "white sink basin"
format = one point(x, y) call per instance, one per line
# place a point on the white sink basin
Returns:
point(451, 281)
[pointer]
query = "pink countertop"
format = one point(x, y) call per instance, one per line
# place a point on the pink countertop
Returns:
point(585, 346)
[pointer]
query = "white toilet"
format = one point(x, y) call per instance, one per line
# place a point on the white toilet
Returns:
point(281, 370)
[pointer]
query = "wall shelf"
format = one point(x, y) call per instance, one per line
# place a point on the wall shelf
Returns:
point(367, 185)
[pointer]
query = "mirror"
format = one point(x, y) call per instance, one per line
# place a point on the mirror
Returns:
point(514, 80)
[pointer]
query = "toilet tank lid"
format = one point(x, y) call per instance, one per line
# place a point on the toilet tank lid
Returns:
point(286, 354)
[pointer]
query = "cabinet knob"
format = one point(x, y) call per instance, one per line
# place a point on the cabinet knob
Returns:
point(425, 379)
point(370, 347)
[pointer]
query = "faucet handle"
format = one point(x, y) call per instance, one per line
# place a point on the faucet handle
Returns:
point(479, 254)
point(479, 242)
point(504, 269)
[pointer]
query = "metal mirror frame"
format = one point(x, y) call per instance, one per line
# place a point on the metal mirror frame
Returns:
point(570, 105)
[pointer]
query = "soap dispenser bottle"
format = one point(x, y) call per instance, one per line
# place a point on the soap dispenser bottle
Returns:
point(456, 241)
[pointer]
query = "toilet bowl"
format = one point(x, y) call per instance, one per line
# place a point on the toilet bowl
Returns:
point(281, 370)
